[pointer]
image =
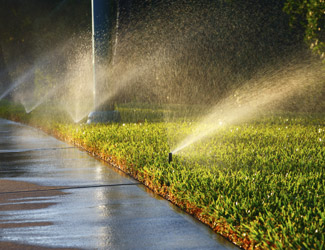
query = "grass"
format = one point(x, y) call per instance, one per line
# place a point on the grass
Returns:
point(261, 184)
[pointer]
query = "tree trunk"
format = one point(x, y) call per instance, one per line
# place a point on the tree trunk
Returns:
point(4, 74)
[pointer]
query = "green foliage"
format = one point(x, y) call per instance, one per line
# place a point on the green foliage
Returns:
point(311, 15)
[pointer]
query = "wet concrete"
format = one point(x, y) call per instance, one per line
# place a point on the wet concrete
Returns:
point(95, 206)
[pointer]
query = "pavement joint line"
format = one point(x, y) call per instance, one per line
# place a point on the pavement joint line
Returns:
point(72, 187)
point(31, 150)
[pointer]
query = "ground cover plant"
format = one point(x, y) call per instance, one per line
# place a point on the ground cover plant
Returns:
point(260, 183)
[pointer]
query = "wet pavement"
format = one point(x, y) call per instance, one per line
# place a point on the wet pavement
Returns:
point(95, 206)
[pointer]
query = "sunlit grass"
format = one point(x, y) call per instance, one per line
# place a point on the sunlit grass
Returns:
point(265, 178)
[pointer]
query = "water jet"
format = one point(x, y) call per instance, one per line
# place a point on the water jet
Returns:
point(258, 95)
point(18, 82)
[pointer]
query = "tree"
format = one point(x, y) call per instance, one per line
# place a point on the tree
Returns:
point(310, 14)
point(4, 74)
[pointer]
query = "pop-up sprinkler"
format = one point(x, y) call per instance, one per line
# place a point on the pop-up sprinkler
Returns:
point(170, 157)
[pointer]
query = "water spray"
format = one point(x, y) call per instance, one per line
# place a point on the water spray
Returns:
point(18, 82)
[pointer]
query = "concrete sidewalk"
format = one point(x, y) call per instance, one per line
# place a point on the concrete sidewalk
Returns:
point(55, 196)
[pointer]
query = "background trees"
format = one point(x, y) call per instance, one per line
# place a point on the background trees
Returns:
point(309, 14)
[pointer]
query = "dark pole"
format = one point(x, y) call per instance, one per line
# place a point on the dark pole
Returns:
point(4, 74)
point(103, 18)
point(101, 29)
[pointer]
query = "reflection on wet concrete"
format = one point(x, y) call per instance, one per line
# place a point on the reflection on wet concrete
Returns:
point(102, 217)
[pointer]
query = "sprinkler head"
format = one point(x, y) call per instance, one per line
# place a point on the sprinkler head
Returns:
point(170, 157)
